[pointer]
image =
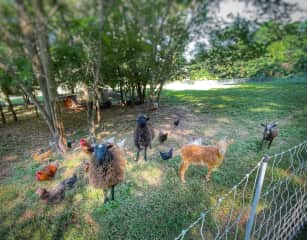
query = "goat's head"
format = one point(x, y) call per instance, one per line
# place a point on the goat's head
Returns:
point(142, 120)
point(267, 128)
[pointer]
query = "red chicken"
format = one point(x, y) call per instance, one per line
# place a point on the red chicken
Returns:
point(85, 146)
point(47, 172)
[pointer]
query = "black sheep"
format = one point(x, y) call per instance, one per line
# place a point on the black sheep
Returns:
point(270, 132)
point(143, 135)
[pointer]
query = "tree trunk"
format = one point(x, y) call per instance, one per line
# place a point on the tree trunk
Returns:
point(36, 111)
point(38, 106)
point(30, 50)
point(144, 91)
point(121, 92)
point(26, 101)
point(2, 115)
point(42, 66)
point(159, 92)
point(97, 75)
point(11, 107)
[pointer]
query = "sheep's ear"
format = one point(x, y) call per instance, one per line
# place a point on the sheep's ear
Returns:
point(274, 125)
point(138, 116)
point(263, 125)
point(147, 118)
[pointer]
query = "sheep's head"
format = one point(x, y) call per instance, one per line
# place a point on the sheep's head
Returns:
point(142, 120)
point(267, 128)
point(101, 152)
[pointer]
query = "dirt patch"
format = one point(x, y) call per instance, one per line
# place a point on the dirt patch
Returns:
point(29, 134)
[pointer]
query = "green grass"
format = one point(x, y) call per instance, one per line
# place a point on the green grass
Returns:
point(19, 100)
point(152, 203)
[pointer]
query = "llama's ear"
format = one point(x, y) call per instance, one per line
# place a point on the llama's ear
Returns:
point(109, 146)
point(263, 125)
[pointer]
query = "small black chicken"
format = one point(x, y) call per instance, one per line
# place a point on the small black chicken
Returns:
point(70, 143)
point(167, 155)
point(162, 136)
point(70, 182)
point(176, 122)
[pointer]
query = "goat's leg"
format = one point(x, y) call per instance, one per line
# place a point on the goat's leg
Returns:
point(183, 167)
point(105, 195)
point(113, 192)
point(262, 142)
point(145, 153)
point(269, 145)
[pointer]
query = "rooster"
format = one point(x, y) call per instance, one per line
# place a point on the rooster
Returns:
point(85, 146)
point(47, 172)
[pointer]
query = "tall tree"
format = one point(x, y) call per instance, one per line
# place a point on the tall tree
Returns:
point(34, 35)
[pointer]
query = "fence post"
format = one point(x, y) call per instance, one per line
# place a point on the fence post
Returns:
point(260, 179)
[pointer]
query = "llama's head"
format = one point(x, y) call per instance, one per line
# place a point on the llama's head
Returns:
point(223, 145)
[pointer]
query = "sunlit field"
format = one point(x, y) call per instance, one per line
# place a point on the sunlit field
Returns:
point(151, 203)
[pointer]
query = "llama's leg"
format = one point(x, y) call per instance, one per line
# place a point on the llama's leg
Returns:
point(209, 173)
point(137, 155)
point(113, 192)
point(183, 167)
point(105, 195)
point(145, 153)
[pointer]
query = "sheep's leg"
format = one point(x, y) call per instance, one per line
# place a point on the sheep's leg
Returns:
point(145, 153)
point(113, 192)
point(105, 195)
point(183, 167)
point(137, 155)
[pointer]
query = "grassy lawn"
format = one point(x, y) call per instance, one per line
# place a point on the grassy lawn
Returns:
point(152, 203)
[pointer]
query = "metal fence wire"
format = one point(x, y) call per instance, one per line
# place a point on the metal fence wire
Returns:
point(270, 202)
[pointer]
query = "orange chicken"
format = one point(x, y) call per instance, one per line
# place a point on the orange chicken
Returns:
point(42, 155)
point(47, 172)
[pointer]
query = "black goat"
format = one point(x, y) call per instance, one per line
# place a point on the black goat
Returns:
point(270, 132)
